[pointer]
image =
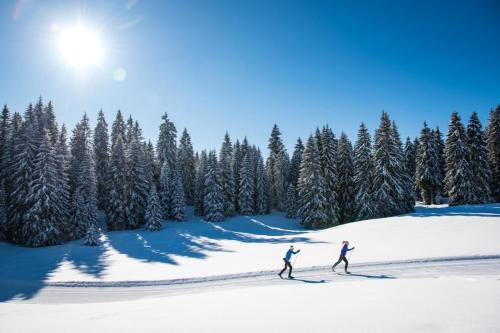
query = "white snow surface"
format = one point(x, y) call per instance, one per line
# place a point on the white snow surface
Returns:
point(434, 270)
point(246, 244)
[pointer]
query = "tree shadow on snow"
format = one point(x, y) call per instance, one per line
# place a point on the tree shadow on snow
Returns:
point(486, 210)
point(197, 238)
point(24, 271)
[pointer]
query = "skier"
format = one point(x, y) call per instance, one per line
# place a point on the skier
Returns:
point(343, 252)
point(286, 259)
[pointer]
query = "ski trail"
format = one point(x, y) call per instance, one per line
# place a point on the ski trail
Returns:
point(80, 292)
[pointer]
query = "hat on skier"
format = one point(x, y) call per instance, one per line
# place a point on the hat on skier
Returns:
point(291, 246)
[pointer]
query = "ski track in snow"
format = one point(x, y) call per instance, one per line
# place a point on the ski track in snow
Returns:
point(477, 267)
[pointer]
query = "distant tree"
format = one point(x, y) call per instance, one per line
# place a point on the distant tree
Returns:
point(213, 200)
point(293, 176)
point(277, 172)
point(199, 191)
point(458, 176)
point(63, 158)
point(153, 211)
point(329, 160)
point(312, 199)
point(117, 182)
point(136, 184)
point(92, 235)
point(25, 145)
point(493, 144)
point(42, 223)
point(438, 137)
point(227, 175)
point(291, 202)
point(247, 186)
point(346, 189)
point(260, 185)
point(186, 167)
point(101, 153)
point(363, 175)
point(85, 194)
point(392, 191)
point(167, 157)
point(427, 170)
point(478, 161)
point(236, 161)
point(178, 200)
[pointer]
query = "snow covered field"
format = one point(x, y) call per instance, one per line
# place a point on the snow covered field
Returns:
point(136, 269)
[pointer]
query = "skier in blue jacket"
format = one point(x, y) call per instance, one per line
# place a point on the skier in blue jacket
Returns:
point(286, 259)
point(342, 257)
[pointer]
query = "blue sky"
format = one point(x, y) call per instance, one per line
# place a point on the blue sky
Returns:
point(242, 66)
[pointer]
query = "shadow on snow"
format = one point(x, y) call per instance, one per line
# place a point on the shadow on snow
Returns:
point(24, 271)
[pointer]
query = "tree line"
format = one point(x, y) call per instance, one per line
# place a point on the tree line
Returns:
point(51, 190)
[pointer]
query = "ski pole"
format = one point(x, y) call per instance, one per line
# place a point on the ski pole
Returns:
point(350, 254)
point(294, 260)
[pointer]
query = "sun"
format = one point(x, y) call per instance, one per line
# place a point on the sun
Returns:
point(80, 47)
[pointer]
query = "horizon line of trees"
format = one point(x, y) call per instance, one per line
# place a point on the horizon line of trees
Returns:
point(51, 191)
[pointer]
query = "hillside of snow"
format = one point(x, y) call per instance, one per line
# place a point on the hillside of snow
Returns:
point(247, 244)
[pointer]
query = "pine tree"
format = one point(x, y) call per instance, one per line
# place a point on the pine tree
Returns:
point(328, 159)
point(346, 189)
point(236, 161)
point(150, 165)
point(166, 146)
point(20, 175)
point(438, 137)
point(5, 132)
point(410, 157)
point(63, 190)
point(427, 170)
point(92, 236)
point(213, 200)
point(167, 158)
point(277, 169)
point(178, 200)
point(116, 210)
point(136, 185)
point(458, 177)
point(385, 178)
point(493, 143)
point(227, 175)
point(8, 169)
point(199, 192)
point(118, 129)
point(291, 202)
point(312, 200)
point(3, 212)
point(406, 197)
point(478, 161)
point(260, 206)
point(186, 166)
point(247, 186)
point(293, 176)
point(85, 194)
point(101, 153)
point(50, 123)
point(153, 211)
point(363, 175)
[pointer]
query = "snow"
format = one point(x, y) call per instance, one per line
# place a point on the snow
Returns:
point(245, 244)
point(449, 260)
point(368, 305)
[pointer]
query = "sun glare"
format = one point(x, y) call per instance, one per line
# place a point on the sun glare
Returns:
point(80, 47)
